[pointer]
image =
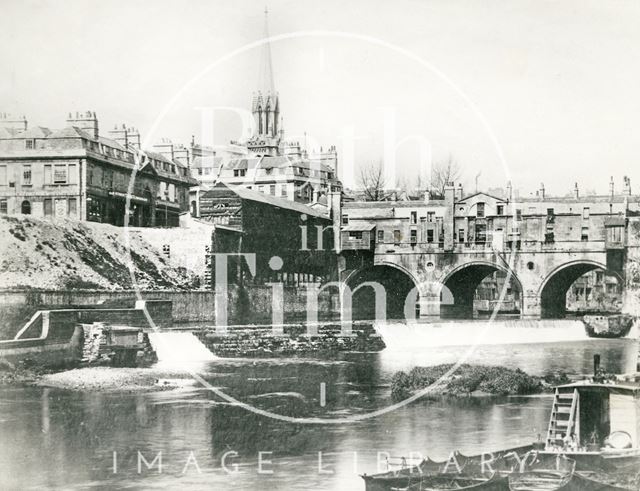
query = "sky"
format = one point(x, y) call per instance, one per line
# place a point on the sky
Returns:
point(528, 91)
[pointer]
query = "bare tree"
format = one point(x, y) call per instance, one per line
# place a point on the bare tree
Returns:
point(373, 183)
point(444, 172)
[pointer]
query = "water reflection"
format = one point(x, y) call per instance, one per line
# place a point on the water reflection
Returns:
point(59, 439)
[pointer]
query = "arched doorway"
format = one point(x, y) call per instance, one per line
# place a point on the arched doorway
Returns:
point(25, 209)
point(554, 290)
point(477, 288)
point(396, 283)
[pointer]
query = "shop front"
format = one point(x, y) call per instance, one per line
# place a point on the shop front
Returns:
point(112, 208)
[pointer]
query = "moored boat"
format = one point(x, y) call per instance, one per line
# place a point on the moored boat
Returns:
point(596, 422)
point(457, 469)
point(608, 326)
point(592, 442)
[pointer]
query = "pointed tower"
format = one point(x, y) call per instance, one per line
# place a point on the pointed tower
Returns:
point(265, 104)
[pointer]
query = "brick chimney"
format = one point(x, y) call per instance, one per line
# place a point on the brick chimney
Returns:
point(627, 186)
point(541, 192)
point(86, 121)
point(576, 191)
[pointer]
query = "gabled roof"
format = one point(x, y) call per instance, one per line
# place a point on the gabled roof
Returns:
point(481, 193)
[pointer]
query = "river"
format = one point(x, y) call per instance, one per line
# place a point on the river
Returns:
point(57, 439)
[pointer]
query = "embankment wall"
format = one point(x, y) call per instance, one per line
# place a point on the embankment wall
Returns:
point(251, 305)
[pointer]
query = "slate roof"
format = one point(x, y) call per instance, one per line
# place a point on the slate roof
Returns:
point(34, 132)
point(198, 161)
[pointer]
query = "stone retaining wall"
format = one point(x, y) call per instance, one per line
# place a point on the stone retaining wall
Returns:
point(253, 341)
point(252, 305)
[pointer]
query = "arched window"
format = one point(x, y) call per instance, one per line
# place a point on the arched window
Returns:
point(26, 208)
point(266, 120)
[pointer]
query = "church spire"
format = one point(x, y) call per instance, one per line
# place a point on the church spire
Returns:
point(265, 103)
point(267, 85)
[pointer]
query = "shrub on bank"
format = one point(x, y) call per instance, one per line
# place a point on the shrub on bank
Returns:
point(466, 380)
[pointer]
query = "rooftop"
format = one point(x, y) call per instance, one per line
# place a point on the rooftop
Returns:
point(251, 195)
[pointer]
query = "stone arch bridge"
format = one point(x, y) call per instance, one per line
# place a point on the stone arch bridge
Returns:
point(446, 282)
point(442, 249)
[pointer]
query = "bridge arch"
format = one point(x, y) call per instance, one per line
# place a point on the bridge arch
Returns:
point(554, 288)
point(464, 280)
point(397, 282)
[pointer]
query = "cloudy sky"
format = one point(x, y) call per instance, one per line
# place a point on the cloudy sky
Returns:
point(532, 91)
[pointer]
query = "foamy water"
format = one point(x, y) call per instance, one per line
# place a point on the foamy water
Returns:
point(179, 347)
point(400, 336)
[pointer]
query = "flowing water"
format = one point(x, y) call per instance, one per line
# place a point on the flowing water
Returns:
point(59, 439)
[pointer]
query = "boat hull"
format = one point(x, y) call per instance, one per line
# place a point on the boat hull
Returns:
point(619, 461)
point(612, 326)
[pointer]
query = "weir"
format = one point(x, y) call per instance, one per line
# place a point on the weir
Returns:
point(399, 336)
point(179, 347)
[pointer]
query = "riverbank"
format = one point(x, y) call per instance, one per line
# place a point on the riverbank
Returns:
point(109, 379)
point(99, 378)
point(471, 380)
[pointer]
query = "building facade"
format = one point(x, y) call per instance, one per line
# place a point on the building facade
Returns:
point(251, 222)
point(76, 172)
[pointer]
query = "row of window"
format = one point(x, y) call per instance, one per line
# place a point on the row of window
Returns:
point(53, 174)
point(51, 207)
point(396, 237)
point(480, 213)
point(272, 190)
point(431, 217)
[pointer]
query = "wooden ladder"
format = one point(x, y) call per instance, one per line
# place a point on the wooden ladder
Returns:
point(563, 416)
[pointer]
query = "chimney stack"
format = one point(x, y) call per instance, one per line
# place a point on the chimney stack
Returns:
point(541, 193)
point(627, 186)
point(165, 147)
point(611, 187)
point(576, 191)
point(133, 137)
point(125, 136)
point(119, 135)
point(9, 122)
point(87, 121)
point(509, 191)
